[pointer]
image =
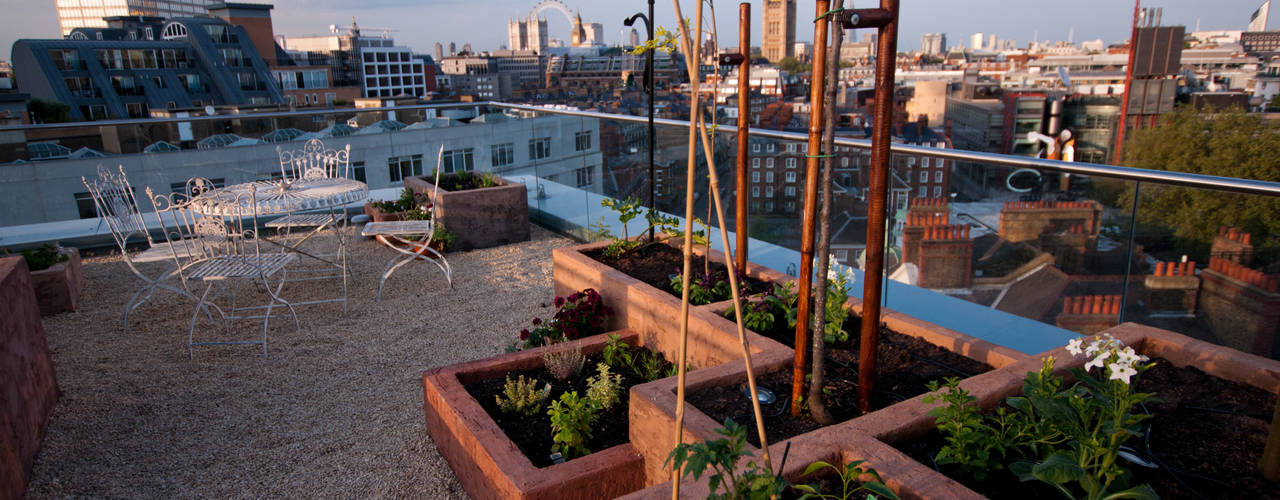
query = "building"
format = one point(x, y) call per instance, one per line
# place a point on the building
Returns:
point(374, 63)
point(92, 13)
point(977, 41)
point(1261, 43)
point(933, 44)
point(141, 63)
point(439, 51)
point(603, 73)
point(779, 38)
point(634, 38)
point(525, 34)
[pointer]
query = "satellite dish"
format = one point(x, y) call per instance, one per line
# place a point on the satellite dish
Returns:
point(1064, 76)
point(1023, 180)
point(208, 110)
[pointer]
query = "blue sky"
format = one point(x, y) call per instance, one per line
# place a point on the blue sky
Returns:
point(421, 23)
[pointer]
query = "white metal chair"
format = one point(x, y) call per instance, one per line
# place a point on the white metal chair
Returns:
point(227, 250)
point(116, 204)
point(312, 162)
point(411, 239)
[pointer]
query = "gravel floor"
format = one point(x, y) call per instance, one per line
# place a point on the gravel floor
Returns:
point(334, 411)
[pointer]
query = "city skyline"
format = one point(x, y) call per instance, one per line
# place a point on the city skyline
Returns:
point(485, 29)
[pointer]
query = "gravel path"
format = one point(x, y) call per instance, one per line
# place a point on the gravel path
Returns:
point(334, 411)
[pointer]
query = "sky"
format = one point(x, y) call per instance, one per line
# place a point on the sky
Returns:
point(483, 23)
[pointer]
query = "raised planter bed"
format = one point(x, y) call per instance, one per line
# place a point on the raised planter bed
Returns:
point(378, 215)
point(30, 388)
point(489, 465)
point(58, 287)
point(481, 217)
point(908, 422)
point(654, 313)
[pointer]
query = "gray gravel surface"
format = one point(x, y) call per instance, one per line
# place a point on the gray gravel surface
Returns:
point(334, 411)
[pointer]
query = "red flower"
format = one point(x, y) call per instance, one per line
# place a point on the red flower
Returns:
point(559, 301)
point(537, 321)
point(574, 297)
point(524, 334)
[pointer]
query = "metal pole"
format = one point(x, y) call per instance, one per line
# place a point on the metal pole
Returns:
point(648, 82)
point(886, 57)
point(744, 112)
point(1128, 85)
point(1128, 260)
point(816, 82)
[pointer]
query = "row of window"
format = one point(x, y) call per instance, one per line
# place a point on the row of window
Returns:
point(125, 59)
point(393, 81)
point(299, 80)
point(387, 57)
point(385, 69)
point(789, 191)
point(768, 177)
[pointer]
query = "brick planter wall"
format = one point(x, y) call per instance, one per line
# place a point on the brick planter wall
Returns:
point(58, 287)
point(29, 389)
point(479, 218)
point(489, 465)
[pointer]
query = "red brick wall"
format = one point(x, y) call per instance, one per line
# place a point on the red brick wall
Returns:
point(1233, 245)
point(29, 390)
point(1241, 306)
point(1089, 314)
point(1027, 220)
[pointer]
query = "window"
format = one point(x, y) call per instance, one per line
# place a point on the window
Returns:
point(458, 160)
point(404, 166)
point(924, 162)
point(85, 205)
point(924, 191)
point(937, 191)
point(791, 206)
point(65, 59)
point(768, 162)
point(911, 162)
point(768, 206)
point(136, 109)
point(791, 147)
point(924, 176)
point(791, 176)
point(586, 176)
point(768, 177)
point(791, 163)
point(755, 163)
point(844, 161)
point(540, 148)
point(582, 141)
point(755, 147)
point(357, 171)
point(842, 255)
point(755, 191)
point(502, 154)
point(771, 145)
point(790, 191)
point(768, 191)
point(937, 176)
point(804, 148)
point(755, 176)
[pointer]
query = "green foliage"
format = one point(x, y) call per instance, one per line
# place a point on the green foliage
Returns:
point(42, 257)
point(704, 290)
point(644, 363)
point(616, 354)
point(719, 458)
point(443, 235)
point(523, 396)
point(971, 444)
point(849, 485)
point(571, 419)
point(627, 211)
point(406, 202)
point(1228, 143)
point(43, 111)
point(487, 180)
point(663, 40)
point(793, 65)
point(604, 388)
point(837, 293)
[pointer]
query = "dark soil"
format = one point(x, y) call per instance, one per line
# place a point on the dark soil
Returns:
point(656, 263)
point(1208, 431)
point(904, 365)
point(532, 434)
point(457, 183)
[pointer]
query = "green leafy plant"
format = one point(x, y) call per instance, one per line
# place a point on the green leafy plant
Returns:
point(43, 257)
point(663, 40)
point(719, 458)
point(523, 396)
point(616, 353)
point(486, 180)
point(837, 293)
point(571, 419)
point(703, 290)
point(644, 363)
point(627, 211)
point(604, 388)
point(849, 485)
point(1067, 438)
point(407, 201)
point(443, 236)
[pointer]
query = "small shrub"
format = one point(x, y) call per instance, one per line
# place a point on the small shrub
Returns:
point(604, 388)
point(727, 481)
point(703, 289)
point(563, 363)
point(872, 488)
point(581, 314)
point(523, 396)
point(487, 180)
point(43, 257)
point(443, 235)
point(571, 420)
point(617, 354)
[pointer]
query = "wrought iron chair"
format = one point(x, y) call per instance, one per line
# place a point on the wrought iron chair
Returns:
point(314, 162)
point(411, 239)
point(116, 204)
point(228, 250)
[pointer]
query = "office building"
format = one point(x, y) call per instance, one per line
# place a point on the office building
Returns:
point(933, 44)
point(779, 37)
point(374, 63)
point(74, 14)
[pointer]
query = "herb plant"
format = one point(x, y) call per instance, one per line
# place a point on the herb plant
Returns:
point(571, 419)
point(408, 201)
point(720, 458)
point(523, 396)
point(563, 363)
point(703, 290)
point(837, 293)
point(604, 388)
point(44, 257)
point(627, 211)
point(849, 485)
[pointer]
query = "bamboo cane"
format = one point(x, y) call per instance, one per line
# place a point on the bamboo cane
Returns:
point(692, 54)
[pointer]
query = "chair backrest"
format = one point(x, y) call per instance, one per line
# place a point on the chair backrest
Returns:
point(115, 202)
point(232, 232)
point(435, 191)
point(313, 161)
point(185, 229)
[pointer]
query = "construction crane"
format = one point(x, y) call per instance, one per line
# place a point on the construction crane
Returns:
point(342, 30)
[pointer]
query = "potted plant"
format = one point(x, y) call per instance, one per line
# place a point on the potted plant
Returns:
point(494, 211)
point(57, 274)
point(392, 210)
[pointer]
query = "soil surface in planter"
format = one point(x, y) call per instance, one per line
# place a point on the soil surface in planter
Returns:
point(1209, 431)
point(904, 365)
point(655, 263)
point(532, 434)
point(455, 183)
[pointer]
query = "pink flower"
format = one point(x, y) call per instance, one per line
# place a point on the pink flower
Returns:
point(574, 297)
point(524, 334)
point(559, 301)
point(537, 321)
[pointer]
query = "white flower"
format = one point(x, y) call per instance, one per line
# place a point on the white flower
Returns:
point(1094, 347)
point(1098, 361)
point(1128, 356)
point(1074, 346)
point(1122, 372)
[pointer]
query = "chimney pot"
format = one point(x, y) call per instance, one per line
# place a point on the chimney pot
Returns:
point(1159, 268)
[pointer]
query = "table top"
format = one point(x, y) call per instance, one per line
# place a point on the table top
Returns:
point(301, 195)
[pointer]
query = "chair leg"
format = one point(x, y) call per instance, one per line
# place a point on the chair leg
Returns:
point(194, 316)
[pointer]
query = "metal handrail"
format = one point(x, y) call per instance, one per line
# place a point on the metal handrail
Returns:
point(1244, 186)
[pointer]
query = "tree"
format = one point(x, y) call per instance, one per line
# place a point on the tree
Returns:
point(1228, 143)
point(793, 65)
point(49, 111)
